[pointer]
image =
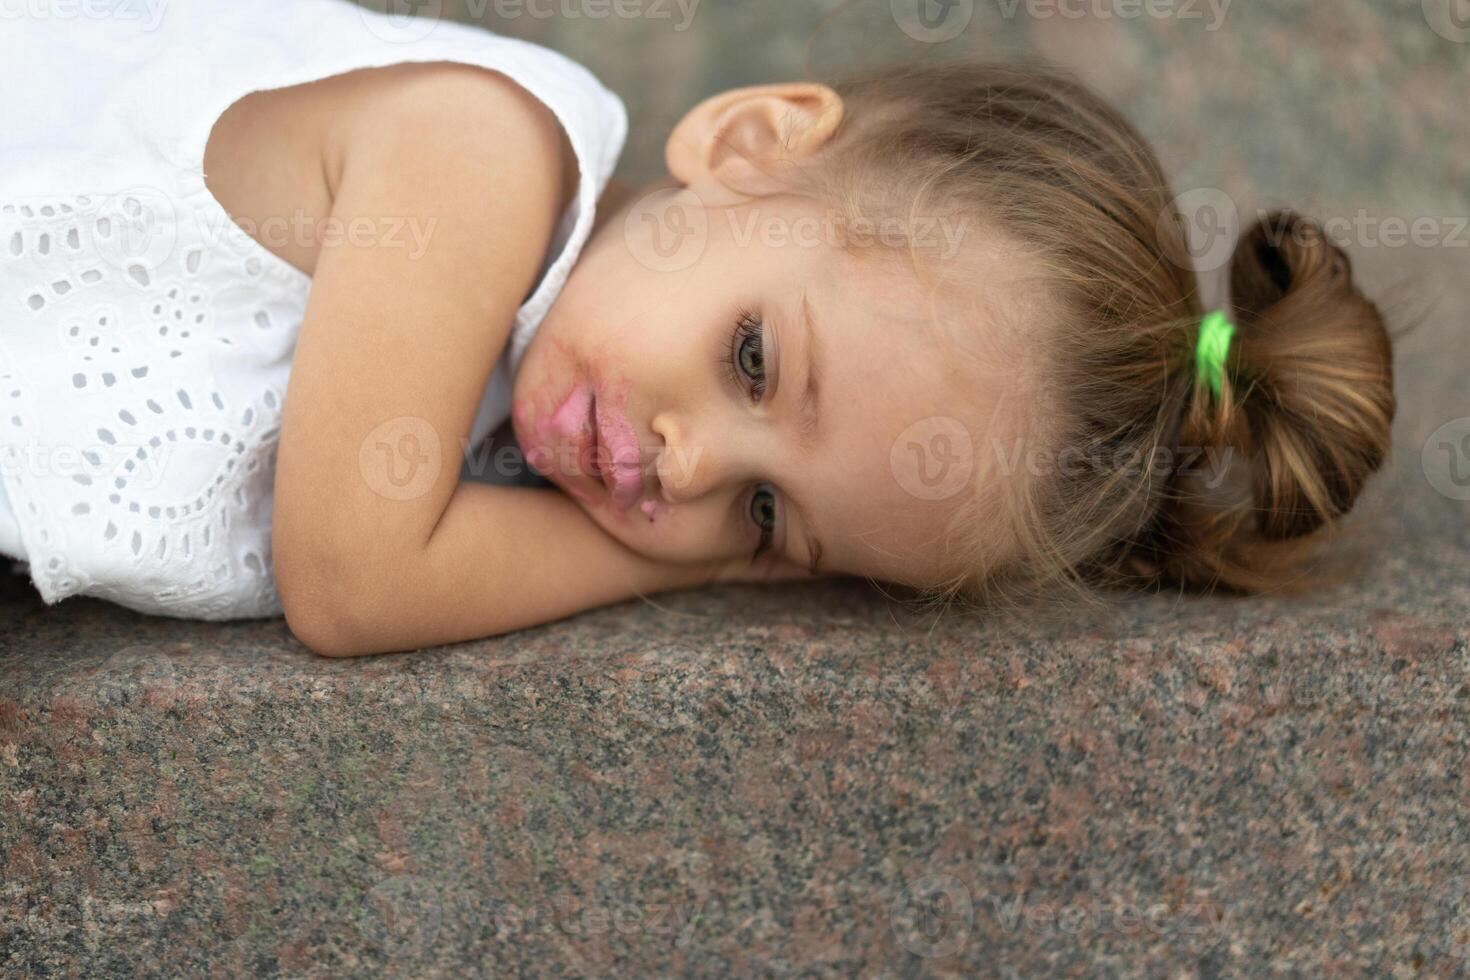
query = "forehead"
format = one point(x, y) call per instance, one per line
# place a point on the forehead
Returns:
point(916, 387)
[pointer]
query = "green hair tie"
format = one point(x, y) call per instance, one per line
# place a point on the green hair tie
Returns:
point(1210, 349)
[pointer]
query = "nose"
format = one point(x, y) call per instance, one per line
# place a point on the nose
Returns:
point(692, 464)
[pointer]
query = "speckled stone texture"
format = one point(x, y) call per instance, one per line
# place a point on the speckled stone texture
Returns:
point(815, 779)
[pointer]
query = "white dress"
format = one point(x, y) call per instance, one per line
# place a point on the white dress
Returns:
point(146, 340)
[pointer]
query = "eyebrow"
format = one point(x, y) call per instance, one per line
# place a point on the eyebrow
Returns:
point(809, 403)
point(808, 419)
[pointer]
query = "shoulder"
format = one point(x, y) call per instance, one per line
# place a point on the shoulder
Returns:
point(451, 124)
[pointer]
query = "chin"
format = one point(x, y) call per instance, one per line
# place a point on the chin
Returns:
point(643, 538)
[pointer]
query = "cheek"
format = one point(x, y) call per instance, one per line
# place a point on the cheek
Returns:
point(678, 533)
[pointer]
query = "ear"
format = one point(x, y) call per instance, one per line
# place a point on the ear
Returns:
point(734, 145)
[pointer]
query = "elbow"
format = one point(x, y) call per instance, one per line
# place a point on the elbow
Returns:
point(319, 623)
point(323, 638)
point(321, 606)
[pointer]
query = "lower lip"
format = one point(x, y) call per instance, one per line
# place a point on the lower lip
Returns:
point(574, 422)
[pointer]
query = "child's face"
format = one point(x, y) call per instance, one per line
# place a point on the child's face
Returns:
point(844, 428)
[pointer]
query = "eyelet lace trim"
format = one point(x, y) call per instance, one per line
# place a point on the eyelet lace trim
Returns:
point(135, 474)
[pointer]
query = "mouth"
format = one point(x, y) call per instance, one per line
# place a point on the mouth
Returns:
point(592, 424)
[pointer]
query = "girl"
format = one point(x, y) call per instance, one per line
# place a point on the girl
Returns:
point(272, 274)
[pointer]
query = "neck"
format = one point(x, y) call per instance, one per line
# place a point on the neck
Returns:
point(619, 194)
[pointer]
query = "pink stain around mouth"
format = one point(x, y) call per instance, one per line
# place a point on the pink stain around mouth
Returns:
point(573, 416)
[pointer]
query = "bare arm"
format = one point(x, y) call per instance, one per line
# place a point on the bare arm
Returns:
point(501, 559)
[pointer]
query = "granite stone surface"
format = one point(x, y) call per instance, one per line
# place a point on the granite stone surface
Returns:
point(817, 779)
point(751, 781)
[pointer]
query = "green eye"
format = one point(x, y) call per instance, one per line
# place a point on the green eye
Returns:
point(746, 356)
point(763, 513)
point(752, 358)
point(763, 510)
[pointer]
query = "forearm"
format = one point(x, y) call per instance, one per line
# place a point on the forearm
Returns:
point(500, 559)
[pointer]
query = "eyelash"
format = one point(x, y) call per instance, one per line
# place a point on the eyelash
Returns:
point(748, 327)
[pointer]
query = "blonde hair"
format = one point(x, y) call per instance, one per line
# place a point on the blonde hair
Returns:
point(1304, 413)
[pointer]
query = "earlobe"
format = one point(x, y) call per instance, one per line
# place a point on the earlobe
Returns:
point(733, 145)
